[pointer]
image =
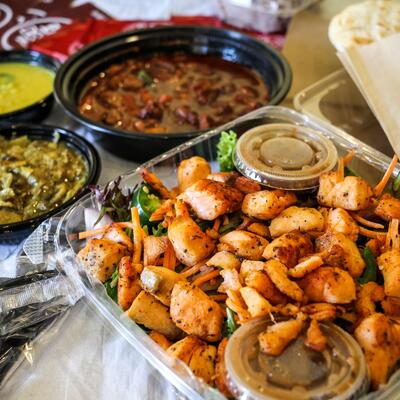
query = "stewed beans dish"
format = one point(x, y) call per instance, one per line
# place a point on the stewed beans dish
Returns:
point(177, 92)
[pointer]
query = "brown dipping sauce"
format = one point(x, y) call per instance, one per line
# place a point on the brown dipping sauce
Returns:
point(172, 93)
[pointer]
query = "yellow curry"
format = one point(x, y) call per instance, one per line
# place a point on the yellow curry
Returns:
point(37, 176)
point(22, 85)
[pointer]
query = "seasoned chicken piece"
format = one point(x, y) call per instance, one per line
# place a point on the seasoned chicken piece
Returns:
point(160, 339)
point(210, 199)
point(259, 229)
point(220, 370)
point(192, 170)
point(339, 220)
point(379, 337)
point(389, 264)
point(190, 243)
point(232, 280)
point(277, 337)
point(159, 281)
point(340, 251)
point(388, 207)
point(351, 193)
point(289, 248)
point(128, 283)
point(367, 295)
point(316, 340)
point(100, 257)
point(261, 282)
point(148, 311)
point(248, 266)
point(224, 260)
point(183, 349)
point(153, 249)
point(391, 306)
point(245, 244)
point(246, 185)
point(330, 285)
point(303, 219)
point(225, 177)
point(267, 204)
point(195, 313)
point(117, 234)
point(278, 275)
point(320, 311)
point(256, 304)
point(202, 362)
point(305, 266)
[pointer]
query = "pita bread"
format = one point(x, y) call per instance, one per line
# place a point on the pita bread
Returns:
point(364, 23)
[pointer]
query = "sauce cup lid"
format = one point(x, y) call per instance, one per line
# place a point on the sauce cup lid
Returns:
point(298, 373)
point(285, 156)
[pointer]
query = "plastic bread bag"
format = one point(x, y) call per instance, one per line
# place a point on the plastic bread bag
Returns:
point(81, 356)
point(31, 302)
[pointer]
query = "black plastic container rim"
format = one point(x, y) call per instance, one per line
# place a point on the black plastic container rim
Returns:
point(31, 57)
point(135, 35)
point(80, 144)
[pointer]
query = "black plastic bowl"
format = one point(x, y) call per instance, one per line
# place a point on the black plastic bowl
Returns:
point(74, 74)
point(41, 108)
point(11, 233)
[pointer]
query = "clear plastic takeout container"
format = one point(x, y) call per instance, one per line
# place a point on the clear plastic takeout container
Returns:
point(367, 162)
point(337, 100)
point(262, 15)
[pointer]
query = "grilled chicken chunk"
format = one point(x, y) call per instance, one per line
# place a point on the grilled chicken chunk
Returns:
point(339, 220)
point(101, 256)
point(210, 199)
point(267, 204)
point(192, 170)
point(245, 244)
point(389, 263)
point(128, 283)
point(351, 193)
point(190, 243)
point(340, 251)
point(195, 313)
point(330, 285)
point(379, 337)
point(277, 337)
point(388, 207)
point(294, 218)
point(289, 248)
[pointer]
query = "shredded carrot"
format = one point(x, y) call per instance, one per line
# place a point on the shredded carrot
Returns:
point(383, 182)
point(94, 232)
point(371, 234)
point(192, 270)
point(137, 236)
point(216, 225)
point(340, 169)
point(392, 239)
point(225, 221)
point(236, 297)
point(206, 277)
point(169, 257)
point(365, 222)
point(348, 157)
point(218, 297)
point(241, 312)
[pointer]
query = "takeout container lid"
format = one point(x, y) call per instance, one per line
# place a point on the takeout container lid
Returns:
point(284, 156)
point(298, 373)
